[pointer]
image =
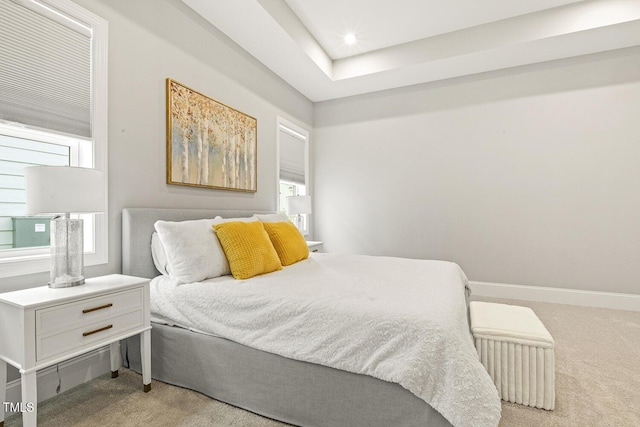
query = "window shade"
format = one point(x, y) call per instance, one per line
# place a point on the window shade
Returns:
point(292, 164)
point(45, 69)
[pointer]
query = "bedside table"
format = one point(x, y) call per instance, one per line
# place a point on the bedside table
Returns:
point(314, 246)
point(42, 326)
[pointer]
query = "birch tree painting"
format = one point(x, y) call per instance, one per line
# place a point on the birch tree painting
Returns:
point(209, 144)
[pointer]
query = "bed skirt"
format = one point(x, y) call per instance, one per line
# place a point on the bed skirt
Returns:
point(291, 391)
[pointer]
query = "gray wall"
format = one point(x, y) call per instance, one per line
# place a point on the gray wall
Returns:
point(525, 176)
point(150, 40)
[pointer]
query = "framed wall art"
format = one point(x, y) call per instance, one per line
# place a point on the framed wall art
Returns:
point(209, 144)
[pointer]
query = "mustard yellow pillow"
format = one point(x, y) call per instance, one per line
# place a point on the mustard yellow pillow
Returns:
point(248, 248)
point(288, 242)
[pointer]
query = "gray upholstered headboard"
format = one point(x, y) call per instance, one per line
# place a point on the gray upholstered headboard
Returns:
point(137, 228)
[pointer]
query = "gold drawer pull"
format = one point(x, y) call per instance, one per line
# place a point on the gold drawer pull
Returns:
point(86, 334)
point(89, 310)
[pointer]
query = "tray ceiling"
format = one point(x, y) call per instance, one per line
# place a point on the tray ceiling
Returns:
point(406, 42)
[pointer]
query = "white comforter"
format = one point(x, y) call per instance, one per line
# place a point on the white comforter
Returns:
point(399, 320)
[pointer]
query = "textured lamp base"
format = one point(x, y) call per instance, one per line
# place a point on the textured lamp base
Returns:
point(67, 264)
point(67, 284)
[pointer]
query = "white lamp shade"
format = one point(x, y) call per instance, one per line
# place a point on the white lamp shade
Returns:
point(64, 189)
point(299, 205)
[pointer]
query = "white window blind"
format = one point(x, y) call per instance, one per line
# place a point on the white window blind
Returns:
point(292, 161)
point(45, 68)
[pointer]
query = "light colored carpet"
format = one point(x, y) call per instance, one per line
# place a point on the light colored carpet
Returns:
point(121, 402)
point(597, 384)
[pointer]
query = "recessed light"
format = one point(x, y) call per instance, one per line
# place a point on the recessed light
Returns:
point(350, 38)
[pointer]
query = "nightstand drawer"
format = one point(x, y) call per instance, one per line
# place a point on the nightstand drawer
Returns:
point(83, 335)
point(84, 312)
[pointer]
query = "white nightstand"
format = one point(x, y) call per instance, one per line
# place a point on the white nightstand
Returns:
point(314, 246)
point(40, 327)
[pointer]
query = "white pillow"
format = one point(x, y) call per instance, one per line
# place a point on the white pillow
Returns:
point(275, 217)
point(220, 220)
point(159, 255)
point(193, 250)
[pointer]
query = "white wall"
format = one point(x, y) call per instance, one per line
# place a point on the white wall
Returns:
point(525, 176)
point(150, 40)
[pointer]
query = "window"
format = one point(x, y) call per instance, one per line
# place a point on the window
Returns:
point(288, 188)
point(293, 161)
point(53, 111)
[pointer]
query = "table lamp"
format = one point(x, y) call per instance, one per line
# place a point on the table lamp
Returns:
point(61, 190)
point(299, 205)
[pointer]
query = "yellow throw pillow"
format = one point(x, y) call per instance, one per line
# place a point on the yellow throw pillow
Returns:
point(248, 248)
point(288, 241)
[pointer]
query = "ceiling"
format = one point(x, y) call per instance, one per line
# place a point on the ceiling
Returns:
point(406, 42)
point(381, 24)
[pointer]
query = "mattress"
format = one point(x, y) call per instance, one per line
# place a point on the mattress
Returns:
point(398, 320)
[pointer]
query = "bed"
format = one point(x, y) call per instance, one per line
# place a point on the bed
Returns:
point(245, 368)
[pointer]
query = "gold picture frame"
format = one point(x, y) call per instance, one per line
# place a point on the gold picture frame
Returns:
point(209, 144)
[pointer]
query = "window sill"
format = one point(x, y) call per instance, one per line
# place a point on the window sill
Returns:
point(40, 263)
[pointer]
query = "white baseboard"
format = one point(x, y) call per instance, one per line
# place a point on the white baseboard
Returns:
point(617, 301)
point(73, 372)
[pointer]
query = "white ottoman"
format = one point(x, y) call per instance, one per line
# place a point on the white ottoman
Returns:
point(517, 351)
